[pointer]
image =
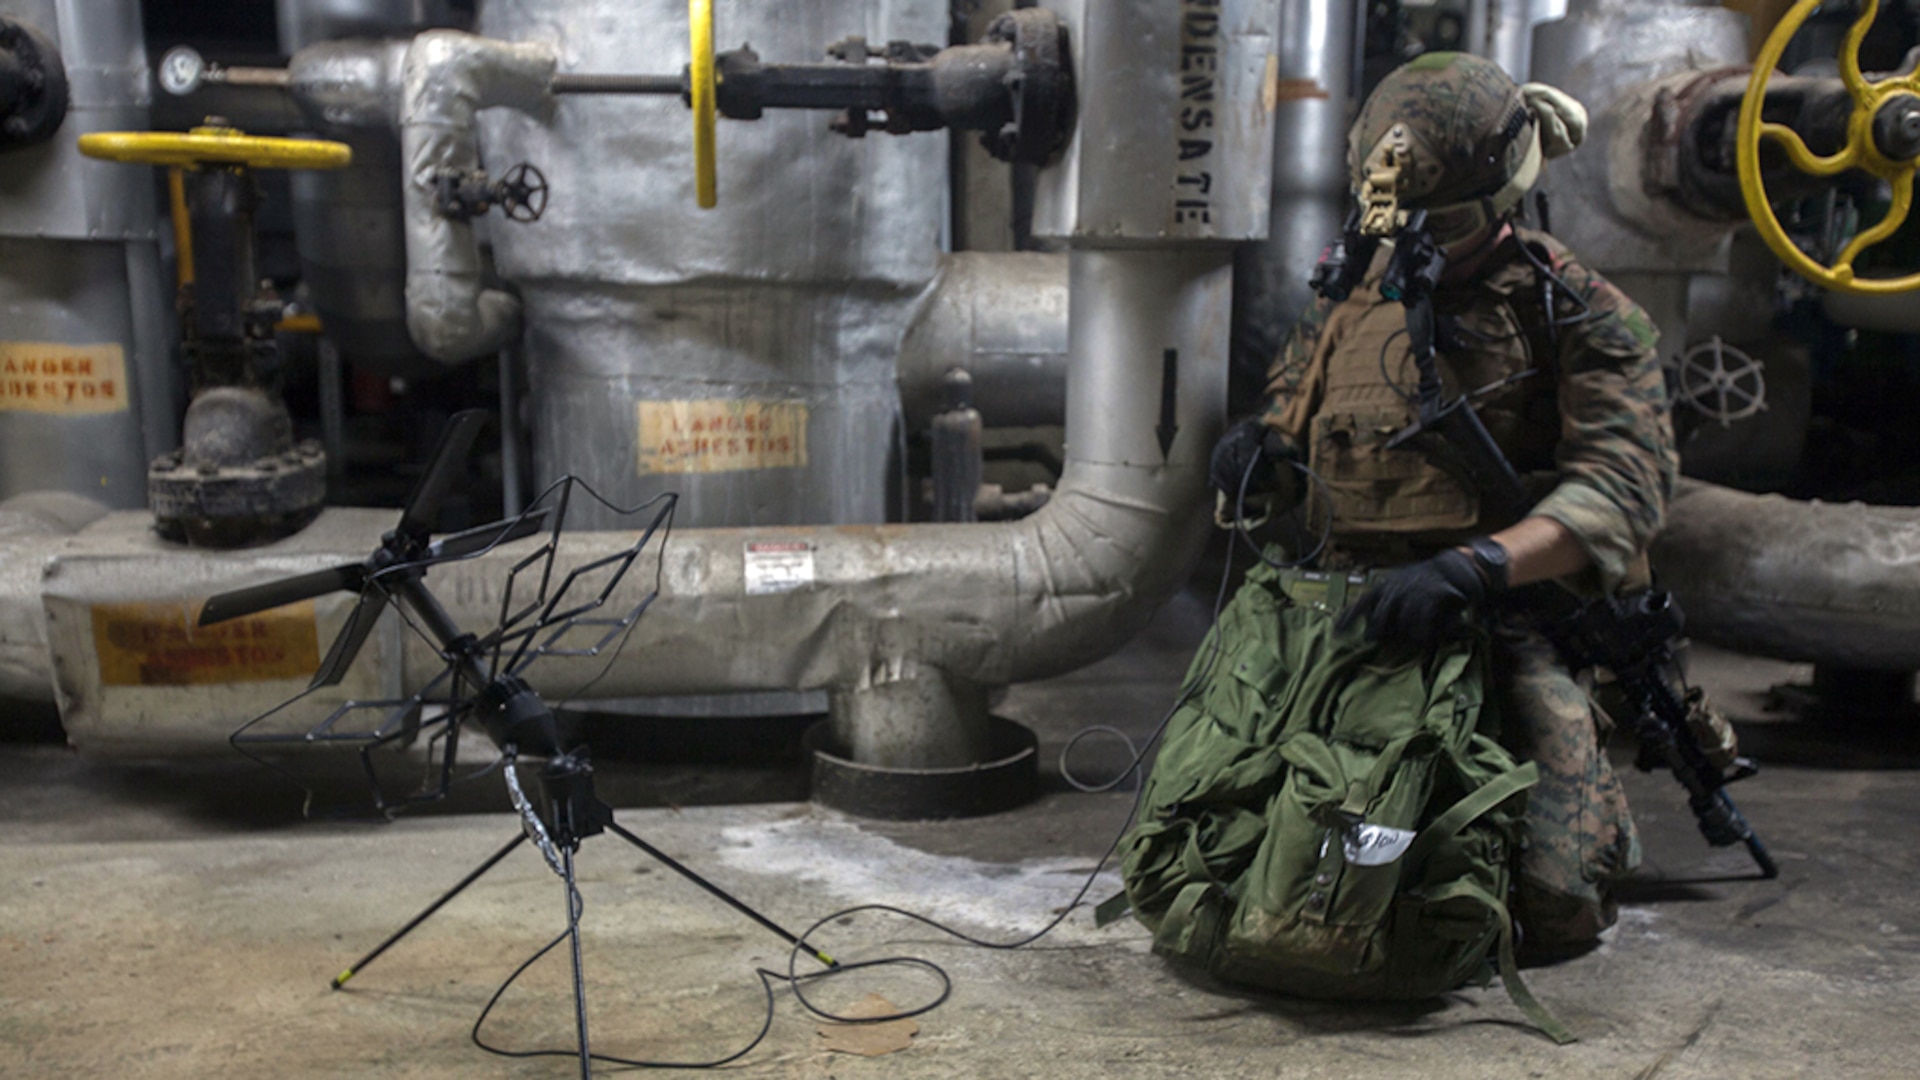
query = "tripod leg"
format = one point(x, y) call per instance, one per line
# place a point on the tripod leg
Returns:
point(492, 860)
point(724, 896)
point(579, 975)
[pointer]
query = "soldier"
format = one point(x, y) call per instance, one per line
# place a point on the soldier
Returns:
point(1561, 367)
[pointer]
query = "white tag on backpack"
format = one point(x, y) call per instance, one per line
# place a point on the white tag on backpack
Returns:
point(1375, 845)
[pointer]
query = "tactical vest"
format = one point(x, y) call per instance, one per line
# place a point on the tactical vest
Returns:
point(1409, 498)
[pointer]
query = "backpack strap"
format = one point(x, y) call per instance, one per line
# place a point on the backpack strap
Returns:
point(1469, 808)
point(1530, 1006)
point(1457, 817)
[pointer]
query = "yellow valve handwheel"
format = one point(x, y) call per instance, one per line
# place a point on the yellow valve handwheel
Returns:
point(215, 146)
point(1859, 153)
point(700, 80)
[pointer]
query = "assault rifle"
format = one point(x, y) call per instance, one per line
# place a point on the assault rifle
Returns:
point(1633, 636)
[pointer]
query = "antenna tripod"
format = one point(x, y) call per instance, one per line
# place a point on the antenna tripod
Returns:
point(562, 812)
point(483, 681)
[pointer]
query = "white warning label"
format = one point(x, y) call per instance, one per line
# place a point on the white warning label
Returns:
point(1376, 845)
point(778, 567)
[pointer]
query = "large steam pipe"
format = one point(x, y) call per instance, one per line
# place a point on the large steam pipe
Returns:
point(906, 626)
point(1820, 583)
point(450, 76)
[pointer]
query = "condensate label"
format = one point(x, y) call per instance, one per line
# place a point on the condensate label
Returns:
point(721, 435)
point(1201, 45)
point(157, 644)
point(778, 567)
point(66, 380)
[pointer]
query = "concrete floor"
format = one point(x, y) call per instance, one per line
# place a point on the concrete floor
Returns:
point(175, 921)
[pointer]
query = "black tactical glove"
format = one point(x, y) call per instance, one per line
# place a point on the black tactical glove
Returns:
point(1424, 604)
point(1249, 444)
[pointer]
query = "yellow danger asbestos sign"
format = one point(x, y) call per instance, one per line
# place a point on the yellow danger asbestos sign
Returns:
point(721, 435)
point(157, 644)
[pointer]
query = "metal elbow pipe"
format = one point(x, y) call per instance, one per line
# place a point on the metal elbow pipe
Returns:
point(448, 77)
point(908, 626)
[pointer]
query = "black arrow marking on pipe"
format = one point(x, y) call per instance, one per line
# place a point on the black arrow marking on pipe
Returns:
point(1169, 400)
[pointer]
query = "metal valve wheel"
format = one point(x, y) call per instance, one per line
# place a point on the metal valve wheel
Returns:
point(523, 193)
point(215, 146)
point(1883, 138)
point(1720, 382)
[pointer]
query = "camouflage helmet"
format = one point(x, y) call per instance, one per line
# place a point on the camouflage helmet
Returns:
point(1454, 129)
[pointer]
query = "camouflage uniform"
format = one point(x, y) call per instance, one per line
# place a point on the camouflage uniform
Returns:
point(1589, 430)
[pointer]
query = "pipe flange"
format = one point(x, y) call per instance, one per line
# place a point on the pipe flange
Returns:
point(1040, 85)
point(33, 86)
point(1009, 778)
point(229, 506)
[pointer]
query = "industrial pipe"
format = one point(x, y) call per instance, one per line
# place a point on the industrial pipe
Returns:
point(906, 626)
point(1815, 582)
point(1002, 316)
point(449, 76)
point(1313, 103)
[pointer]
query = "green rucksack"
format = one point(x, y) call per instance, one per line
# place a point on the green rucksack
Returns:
point(1325, 819)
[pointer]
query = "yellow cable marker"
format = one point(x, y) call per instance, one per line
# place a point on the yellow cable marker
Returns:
point(1859, 153)
point(215, 146)
point(701, 91)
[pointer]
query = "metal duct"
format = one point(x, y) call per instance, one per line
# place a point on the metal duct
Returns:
point(1003, 317)
point(449, 76)
point(88, 390)
point(1313, 103)
point(1808, 581)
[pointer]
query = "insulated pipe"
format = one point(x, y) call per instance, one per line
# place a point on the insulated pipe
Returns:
point(32, 527)
point(907, 627)
point(1002, 316)
point(448, 77)
point(1814, 582)
point(1313, 105)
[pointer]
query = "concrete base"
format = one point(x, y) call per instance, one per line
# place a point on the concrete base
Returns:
point(1006, 779)
point(173, 923)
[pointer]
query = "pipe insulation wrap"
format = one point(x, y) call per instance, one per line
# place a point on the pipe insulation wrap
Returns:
point(30, 526)
point(979, 604)
point(1815, 582)
point(449, 77)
